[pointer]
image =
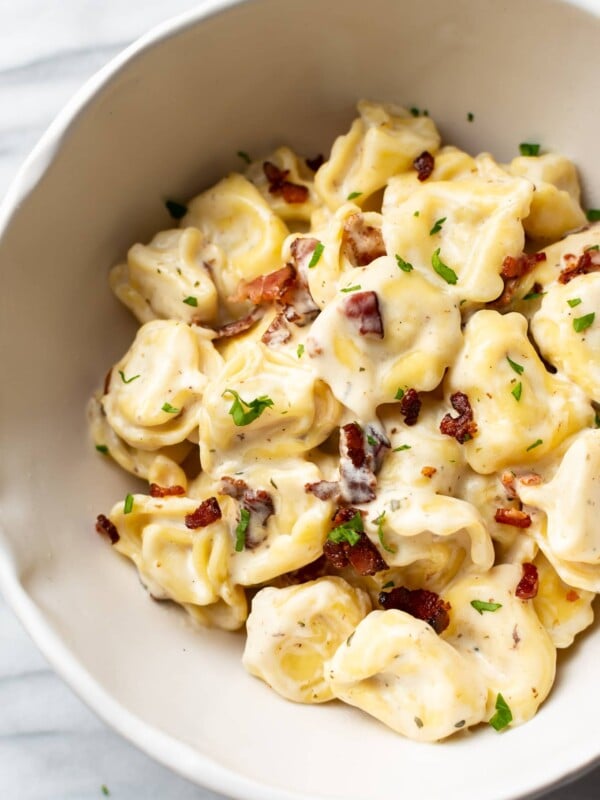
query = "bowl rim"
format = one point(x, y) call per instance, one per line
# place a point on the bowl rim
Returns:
point(176, 755)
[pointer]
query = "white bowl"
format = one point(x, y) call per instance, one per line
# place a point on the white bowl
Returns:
point(166, 119)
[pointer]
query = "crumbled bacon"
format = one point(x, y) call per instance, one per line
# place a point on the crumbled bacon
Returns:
point(410, 406)
point(257, 501)
point(424, 165)
point(513, 269)
point(267, 288)
point(363, 308)
point(323, 490)
point(508, 481)
point(316, 569)
point(363, 556)
point(463, 427)
point(165, 491)
point(105, 527)
point(588, 261)
point(532, 479)
point(279, 184)
point(361, 243)
point(572, 596)
point(419, 603)
point(377, 445)
point(428, 472)
point(527, 588)
point(357, 468)
point(315, 163)
point(301, 251)
point(208, 511)
point(277, 333)
point(512, 516)
point(239, 325)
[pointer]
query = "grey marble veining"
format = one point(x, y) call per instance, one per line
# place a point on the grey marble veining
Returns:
point(51, 746)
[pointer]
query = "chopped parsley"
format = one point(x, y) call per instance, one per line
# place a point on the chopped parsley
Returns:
point(354, 288)
point(170, 409)
point(128, 504)
point(593, 215)
point(533, 295)
point(102, 448)
point(401, 448)
point(191, 301)
point(300, 350)
point(470, 116)
point(581, 323)
point(104, 790)
point(175, 209)
point(379, 522)
point(414, 111)
point(273, 484)
point(127, 380)
point(399, 394)
point(481, 606)
point(255, 408)
point(518, 368)
point(416, 214)
point(353, 195)
point(597, 419)
point(443, 270)
point(317, 253)
point(575, 301)
point(592, 247)
point(535, 444)
point(240, 531)
point(437, 226)
point(348, 532)
point(404, 265)
point(388, 585)
point(529, 149)
point(372, 441)
point(517, 391)
point(244, 156)
point(503, 715)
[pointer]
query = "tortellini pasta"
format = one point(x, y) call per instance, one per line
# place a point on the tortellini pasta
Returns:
point(366, 404)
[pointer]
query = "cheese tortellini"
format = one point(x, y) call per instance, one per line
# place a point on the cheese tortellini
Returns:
point(367, 408)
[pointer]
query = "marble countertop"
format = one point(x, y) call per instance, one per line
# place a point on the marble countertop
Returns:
point(51, 746)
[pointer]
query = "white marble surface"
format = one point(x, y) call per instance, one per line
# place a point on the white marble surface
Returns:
point(51, 746)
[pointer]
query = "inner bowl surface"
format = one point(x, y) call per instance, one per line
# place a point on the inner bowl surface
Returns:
point(166, 120)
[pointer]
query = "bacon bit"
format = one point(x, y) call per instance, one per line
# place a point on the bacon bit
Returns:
point(424, 165)
point(361, 243)
point(364, 308)
point(301, 251)
point(533, 479)
point(323, 490)
point(513, 269)
point(410, 406)
point(357, 474)
point(363, 556)
point(239, 325)
point(463, 427)
point(527, 588)
point(428, 472)
point(267, 288)
point(165, 491)
point(572, 596)
point(508, 481)
point(105, 527)
point(316, 569)
point(208, 511)
point(279, 184)
point(277, 333)
point(512, 516)
point(377, 445)
point(315, 163)
point(588, 261)
point(107, 378)
point(257, 501)
point(419, 603)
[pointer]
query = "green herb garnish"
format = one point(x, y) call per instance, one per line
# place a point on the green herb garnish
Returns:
point(535, 444)
point(517, 391)
point(401, 448)
point(481, 606)
point(354, 288)
point(529, 149)
point(404, 265)
point(470, 116)
point(191, 301)
point(443, 270)
point(170, 409)
point(175, 209)
point(353, 195)
point(414, 111)
point(503, 715)
point(244, 156)
point(518, 368)
point(240, 531)
point(581, 323)
point(317, 253)
point(372, 441)
point(399, 394)
point(300, 350)
point(388, 585)
point(593, 214)
point(128, 504)
point(575, 301)
point(127, 380)
point(348, 532)
point(379, 522)
point(255, 408)
point(102, 448)
point(592, 247)
point(437, 227)
point(416, 214)
point(533, 295)
point(104, 790)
